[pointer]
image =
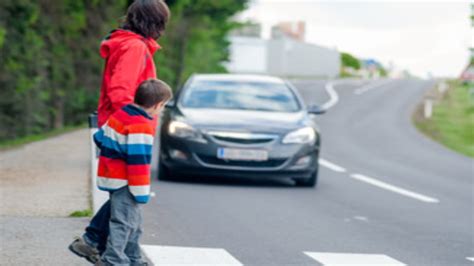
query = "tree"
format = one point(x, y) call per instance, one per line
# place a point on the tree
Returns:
point(50, 69)
point(349, 60)
point(196, 38)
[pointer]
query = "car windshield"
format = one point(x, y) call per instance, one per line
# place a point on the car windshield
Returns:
point(260, 96)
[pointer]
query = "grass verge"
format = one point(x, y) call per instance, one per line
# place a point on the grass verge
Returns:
point(10, 144)
point(83, 213)
point(452, 122)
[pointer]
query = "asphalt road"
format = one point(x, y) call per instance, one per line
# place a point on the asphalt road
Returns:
point(387, 195)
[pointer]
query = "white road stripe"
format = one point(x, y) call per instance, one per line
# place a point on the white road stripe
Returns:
point(174, 256)
point(470, 258)
point(333, 97)
point(395, 189)
point(340, 259)
point(370, 86)
point(332, 166)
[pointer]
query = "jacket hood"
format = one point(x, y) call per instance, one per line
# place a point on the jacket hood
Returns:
point(116, 38)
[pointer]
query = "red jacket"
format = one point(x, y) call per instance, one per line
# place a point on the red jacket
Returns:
point(129, 61)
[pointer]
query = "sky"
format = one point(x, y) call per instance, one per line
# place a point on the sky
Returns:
point(422, 37)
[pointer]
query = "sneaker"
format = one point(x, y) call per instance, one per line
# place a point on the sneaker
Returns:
point(83, 250)
point(99, 263)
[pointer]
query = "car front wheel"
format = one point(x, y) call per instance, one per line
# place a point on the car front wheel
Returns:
point(308, 182)
point(163, 172)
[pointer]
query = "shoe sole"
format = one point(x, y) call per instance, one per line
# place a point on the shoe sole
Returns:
point(82, 256)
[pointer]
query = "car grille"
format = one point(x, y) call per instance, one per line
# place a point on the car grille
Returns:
point(243, 141)
point(216, 161)
point(242, 138)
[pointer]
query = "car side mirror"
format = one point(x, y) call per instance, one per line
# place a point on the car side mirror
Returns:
point(316, 110)
point(170, 104)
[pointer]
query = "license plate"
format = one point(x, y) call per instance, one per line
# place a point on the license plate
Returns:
point(242, 154)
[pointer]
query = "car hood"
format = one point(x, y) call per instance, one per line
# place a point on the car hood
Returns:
point(243, 120)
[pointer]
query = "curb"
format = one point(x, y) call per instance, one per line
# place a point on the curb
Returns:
point(98, 197)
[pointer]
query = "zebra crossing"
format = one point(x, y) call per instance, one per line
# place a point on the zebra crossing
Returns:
point(353, 259)
point(176, 255)
point(171, 255)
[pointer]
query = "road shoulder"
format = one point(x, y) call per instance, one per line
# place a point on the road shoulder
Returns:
point(41, 184)
point(39, 240)
point(46, 178)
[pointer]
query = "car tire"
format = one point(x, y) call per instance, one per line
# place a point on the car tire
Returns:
point(308, 182)
point(163, 171)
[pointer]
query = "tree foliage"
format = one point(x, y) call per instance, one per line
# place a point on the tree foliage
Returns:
point(50, 69)
point(195, 40)
point(349, 60)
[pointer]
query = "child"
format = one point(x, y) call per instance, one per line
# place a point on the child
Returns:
point(125, 143)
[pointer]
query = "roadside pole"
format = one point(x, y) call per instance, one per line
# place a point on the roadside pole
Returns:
point(428, 110)
point(98, 197)
point(442, 87)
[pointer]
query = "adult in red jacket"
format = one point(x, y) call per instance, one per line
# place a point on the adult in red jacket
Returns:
point(128, 53)
point(129, 61)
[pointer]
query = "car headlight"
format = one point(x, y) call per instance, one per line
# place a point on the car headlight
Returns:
point(302, 135)
point(182, 130)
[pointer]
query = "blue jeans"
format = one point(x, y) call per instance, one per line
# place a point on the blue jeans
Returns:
point(98, 230)
point(123, 248)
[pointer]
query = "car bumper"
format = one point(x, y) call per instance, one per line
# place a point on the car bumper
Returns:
point(199, 159)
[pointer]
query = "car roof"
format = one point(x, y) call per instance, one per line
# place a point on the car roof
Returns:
point(237, 77)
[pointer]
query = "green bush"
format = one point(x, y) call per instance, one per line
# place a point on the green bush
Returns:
point(50, 69)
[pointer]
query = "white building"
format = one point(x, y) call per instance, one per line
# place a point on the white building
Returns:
point(283, 57)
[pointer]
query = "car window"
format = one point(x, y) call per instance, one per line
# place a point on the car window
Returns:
point(261, 96)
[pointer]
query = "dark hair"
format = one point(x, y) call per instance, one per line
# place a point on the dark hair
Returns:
point(147, 18)
point(151, 92)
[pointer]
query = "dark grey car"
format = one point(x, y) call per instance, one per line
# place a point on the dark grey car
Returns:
point(239, 126)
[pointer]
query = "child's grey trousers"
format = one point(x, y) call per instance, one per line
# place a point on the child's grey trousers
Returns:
point(125, 230)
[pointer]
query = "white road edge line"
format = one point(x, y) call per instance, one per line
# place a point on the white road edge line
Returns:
point(333, 97)
point(470, 258)
point(332, 166)
point(370, 86)
point(395, 189)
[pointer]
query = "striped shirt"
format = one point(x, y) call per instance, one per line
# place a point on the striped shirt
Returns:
point(125, 142)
